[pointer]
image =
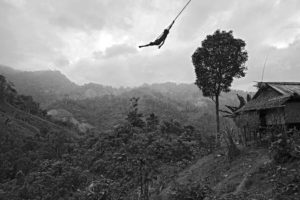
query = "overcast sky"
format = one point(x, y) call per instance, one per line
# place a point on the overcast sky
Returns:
point(96, 40)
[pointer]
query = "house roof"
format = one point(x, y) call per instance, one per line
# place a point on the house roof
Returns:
point(285, 90)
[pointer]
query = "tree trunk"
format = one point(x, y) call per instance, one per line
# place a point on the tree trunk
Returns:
point(146, 190)
point(217, 119)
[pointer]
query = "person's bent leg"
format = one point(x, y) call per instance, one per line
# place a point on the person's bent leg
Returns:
point(161, 44)
point(146, 45)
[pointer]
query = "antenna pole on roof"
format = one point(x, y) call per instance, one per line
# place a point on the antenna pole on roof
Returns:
point(263, 72)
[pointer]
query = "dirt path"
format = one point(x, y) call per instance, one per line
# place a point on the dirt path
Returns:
point(259, 162)
point(194, 172)
point(222, 176)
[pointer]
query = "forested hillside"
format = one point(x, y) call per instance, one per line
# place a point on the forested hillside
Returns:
point(105, 106)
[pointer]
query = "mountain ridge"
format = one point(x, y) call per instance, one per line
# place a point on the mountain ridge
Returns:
point(49, 86)
point(104, 106)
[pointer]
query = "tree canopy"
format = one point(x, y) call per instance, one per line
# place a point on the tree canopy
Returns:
point(220, 59)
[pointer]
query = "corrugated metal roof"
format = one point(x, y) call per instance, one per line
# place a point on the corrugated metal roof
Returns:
point(285, 90)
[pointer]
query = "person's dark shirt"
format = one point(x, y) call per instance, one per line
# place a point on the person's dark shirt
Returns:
point(162, 37)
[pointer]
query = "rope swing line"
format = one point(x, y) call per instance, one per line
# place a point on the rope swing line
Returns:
point(161, 39)
point(182, 10)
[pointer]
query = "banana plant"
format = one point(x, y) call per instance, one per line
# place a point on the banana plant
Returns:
point(230, 112)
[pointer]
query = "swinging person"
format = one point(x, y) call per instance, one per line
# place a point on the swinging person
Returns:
point(161, 39)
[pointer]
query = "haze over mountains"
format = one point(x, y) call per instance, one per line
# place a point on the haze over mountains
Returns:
point(49, 86)
point(105, 106)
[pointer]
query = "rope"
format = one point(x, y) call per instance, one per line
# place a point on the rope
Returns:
point(183, 9)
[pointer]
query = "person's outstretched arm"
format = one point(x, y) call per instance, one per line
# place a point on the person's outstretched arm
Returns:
point(171, 25)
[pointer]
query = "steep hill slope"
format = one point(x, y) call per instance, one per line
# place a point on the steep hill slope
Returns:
point(251, 176)
point(19, 118)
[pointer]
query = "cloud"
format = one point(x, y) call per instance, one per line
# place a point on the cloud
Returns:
point(83, 15)
point(283, 64)
point(116, 50)
point(26, 41)
point(62, 62)
point(136, 70)
point(97, 40)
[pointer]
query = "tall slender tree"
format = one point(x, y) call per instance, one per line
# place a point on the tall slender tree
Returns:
point(220, 59)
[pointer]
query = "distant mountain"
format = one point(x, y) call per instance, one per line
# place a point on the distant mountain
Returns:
point(43, 86)
point(47, 87)
point(105, 106)
point(92, 90)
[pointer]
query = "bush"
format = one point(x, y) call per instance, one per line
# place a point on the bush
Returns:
point(285, 147)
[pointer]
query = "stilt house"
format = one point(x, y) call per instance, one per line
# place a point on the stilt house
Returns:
point(275, 103)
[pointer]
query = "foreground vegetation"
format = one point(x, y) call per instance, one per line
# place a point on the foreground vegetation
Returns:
point(134, 160)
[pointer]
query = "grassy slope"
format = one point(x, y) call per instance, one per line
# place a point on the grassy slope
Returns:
point(251, 175)
point(31, 124)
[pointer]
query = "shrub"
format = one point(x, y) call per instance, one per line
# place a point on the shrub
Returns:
point(285, 147)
